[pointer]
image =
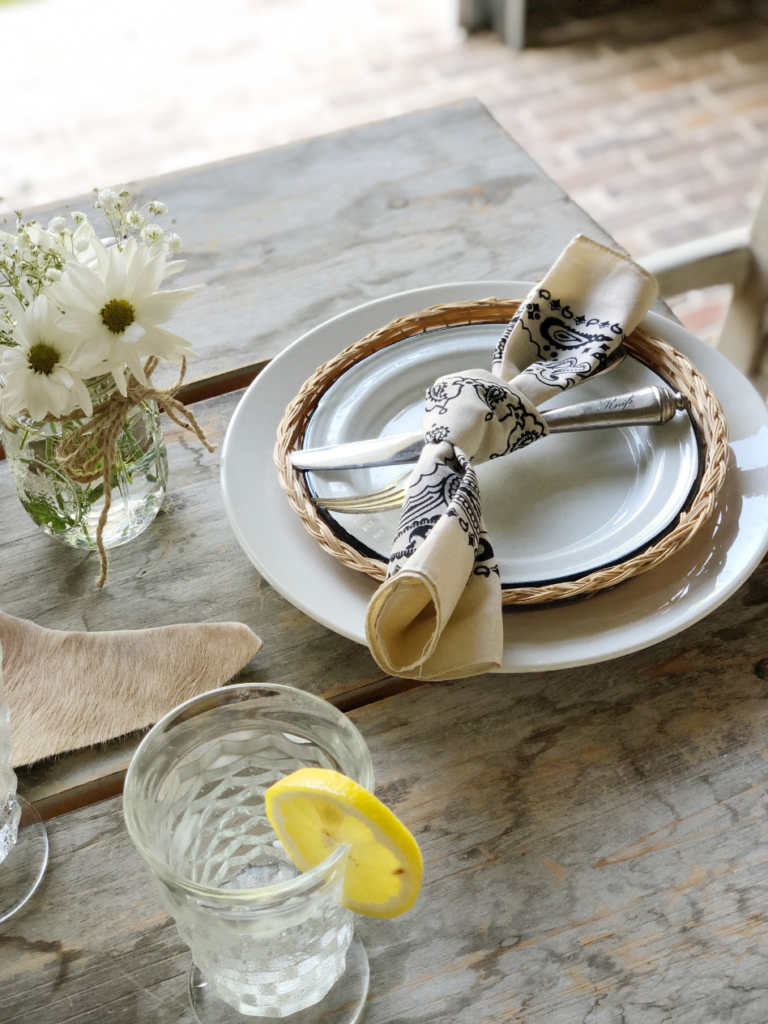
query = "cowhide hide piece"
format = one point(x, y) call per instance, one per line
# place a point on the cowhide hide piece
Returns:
point(68, 690)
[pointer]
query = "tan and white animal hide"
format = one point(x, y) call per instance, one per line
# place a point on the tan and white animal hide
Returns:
point(68, 690)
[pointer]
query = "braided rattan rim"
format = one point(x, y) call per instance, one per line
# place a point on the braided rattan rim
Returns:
point(661, 357)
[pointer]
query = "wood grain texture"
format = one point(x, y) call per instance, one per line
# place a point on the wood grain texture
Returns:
point(285, 239)
point(594, 845)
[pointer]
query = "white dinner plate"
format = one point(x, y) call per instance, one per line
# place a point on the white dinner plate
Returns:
point(640, 612)
point(561, 508)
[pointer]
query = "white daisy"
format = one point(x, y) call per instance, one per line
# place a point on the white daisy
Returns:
point(72, 244)
point(114, 310)
point(37, 371)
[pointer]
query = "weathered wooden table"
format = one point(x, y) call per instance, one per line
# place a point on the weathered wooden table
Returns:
point(594, 839)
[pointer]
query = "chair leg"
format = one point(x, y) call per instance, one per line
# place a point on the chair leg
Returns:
point(741, 339)
point(507, 17)
point(475, 14)
point(513, 25)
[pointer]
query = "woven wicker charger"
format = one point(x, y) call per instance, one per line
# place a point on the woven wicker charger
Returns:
point(666, 361)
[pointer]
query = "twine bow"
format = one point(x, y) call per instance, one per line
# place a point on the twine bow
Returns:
point(88, 453)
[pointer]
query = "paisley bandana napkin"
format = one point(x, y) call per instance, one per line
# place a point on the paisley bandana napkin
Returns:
point(438, 614)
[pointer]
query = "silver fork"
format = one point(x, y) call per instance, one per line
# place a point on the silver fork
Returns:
point(382, 500)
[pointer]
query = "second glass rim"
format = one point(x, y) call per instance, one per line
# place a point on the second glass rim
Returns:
point(262, 895)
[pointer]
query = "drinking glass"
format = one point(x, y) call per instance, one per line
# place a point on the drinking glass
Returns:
point(266, 940)
point(23, 838)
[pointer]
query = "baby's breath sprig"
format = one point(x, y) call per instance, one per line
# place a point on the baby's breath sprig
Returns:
point(28, 265)
point(33, 257)
point(6, 326)
point(127, 219)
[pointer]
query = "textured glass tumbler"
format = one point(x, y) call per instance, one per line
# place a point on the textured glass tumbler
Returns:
point(269, 941)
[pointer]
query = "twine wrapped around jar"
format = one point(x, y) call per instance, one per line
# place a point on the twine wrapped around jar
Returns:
point(88, 453)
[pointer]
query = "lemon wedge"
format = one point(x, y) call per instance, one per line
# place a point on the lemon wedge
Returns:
point(314, 810)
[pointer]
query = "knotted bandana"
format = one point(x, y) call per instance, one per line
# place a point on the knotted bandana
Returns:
point(438, 613)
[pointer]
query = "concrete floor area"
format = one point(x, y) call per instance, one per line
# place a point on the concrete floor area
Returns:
point(655, 120)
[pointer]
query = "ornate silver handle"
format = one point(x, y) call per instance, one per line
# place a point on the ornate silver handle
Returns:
point(646, 406)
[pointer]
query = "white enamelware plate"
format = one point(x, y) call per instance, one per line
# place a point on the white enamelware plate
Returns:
point(564, 506)
point(640, 612)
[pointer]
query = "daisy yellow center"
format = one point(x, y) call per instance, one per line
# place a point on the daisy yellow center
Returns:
point(43, 358)
point(118, 315)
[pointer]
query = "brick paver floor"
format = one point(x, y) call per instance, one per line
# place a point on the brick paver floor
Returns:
point(655, 120)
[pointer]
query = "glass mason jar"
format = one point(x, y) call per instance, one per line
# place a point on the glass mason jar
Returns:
point(68, 511)
point(269, 940)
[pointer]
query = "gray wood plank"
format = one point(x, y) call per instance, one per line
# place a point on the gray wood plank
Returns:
point(285, 239)
point(592, 837)
point(593, 843)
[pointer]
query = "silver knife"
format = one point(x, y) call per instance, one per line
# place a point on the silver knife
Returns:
point(647, 406)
